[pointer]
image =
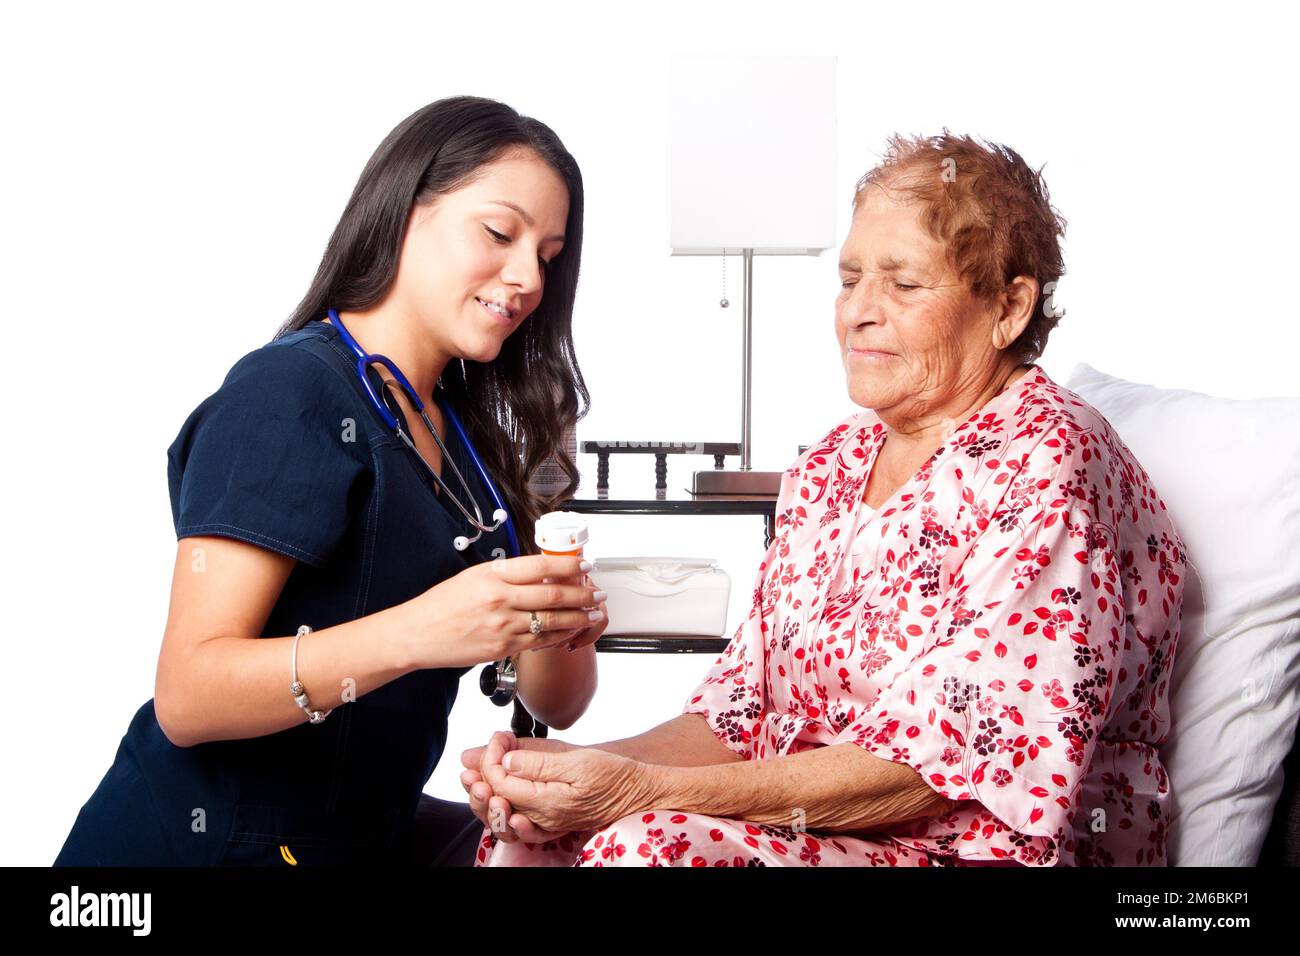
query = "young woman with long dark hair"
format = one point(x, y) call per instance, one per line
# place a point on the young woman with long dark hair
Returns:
point(356, 550)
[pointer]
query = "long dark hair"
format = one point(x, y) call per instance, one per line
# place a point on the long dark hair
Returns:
point(517, 407)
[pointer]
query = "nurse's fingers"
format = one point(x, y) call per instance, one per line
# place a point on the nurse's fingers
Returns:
point(557, 624)
point(533, 568)
point(472, 758)
point(559, 595)
point(590, 636)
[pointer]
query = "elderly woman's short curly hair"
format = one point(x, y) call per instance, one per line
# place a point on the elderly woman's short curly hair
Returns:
point(990, 210)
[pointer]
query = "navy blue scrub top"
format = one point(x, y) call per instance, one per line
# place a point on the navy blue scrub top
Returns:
point(266, 460)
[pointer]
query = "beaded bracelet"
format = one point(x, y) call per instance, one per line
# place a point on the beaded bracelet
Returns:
point(296, 688)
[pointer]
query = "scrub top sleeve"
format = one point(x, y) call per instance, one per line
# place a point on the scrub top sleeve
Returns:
point(275, 457)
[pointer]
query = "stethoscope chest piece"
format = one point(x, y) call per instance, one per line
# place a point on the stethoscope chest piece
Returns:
point(497, 681)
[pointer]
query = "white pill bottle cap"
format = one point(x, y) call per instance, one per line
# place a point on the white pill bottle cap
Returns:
point(561, 532)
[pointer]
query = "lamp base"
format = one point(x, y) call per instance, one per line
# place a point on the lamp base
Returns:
point(720, 481)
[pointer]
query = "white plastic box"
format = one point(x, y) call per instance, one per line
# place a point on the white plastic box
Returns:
point(685, 596)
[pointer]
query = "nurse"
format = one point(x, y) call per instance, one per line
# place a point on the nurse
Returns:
point(314, 544)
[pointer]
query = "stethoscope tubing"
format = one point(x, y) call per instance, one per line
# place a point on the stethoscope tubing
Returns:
point(487, 482)
point(364, 360)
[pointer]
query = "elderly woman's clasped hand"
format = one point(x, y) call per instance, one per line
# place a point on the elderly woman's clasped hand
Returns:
point(537, 789)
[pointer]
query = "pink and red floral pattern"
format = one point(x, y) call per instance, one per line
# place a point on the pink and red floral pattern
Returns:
point(1005, 625)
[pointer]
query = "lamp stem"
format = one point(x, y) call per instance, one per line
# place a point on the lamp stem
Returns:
point(746, 374)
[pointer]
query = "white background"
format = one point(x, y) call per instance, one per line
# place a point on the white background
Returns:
point(171, 176)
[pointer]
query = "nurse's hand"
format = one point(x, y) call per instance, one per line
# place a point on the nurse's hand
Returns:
point(589, 635)
point(482, 613)
point(495, 811)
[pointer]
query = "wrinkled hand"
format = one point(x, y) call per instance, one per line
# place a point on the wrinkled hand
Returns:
point(492, 809)
point(574, 788)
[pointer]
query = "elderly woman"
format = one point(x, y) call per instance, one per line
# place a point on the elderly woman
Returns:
point(961, 639)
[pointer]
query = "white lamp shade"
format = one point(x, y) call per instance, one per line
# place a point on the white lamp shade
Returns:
point(752, 155)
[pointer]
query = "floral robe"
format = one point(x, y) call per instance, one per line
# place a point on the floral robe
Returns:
point(1005, 625)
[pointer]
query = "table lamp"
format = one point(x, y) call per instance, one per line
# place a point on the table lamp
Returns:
point(752, 170)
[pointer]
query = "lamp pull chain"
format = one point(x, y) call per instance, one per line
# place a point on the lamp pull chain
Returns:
point(724, 303)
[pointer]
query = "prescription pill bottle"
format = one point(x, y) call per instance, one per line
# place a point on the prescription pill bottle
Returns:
point(562, 533)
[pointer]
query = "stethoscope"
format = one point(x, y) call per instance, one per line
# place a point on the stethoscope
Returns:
point(500, 516)
point(498, 680)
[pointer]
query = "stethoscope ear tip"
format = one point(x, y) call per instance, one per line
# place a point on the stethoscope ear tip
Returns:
point(461, 542)
point(499, 516)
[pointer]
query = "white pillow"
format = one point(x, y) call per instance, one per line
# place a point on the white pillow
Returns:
point(1229, 473)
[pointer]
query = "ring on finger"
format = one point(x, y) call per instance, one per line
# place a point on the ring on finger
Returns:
point(535, 625)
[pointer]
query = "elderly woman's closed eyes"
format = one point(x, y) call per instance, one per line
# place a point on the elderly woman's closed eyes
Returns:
point(960, 642)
